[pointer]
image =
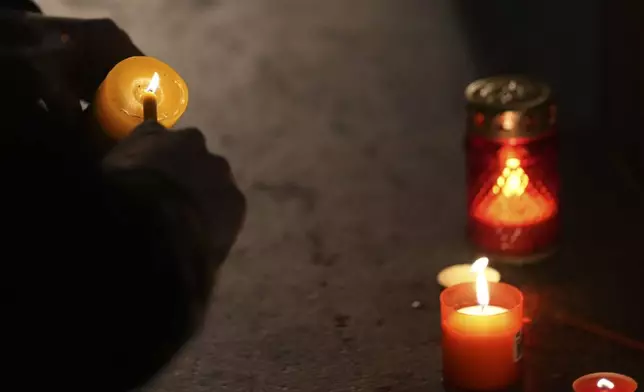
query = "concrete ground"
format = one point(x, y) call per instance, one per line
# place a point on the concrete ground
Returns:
point(343, 123)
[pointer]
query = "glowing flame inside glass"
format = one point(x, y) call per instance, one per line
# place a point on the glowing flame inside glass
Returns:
point(482, 289)
point(512, 199)
point(513, 181)
point(605, 384)
point(154, 84)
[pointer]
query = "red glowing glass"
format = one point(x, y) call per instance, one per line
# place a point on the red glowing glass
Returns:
point(513, 181)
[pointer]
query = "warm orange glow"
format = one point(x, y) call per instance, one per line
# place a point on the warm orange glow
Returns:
point(513, 200)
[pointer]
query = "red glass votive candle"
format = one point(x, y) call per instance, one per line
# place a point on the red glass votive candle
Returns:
point(512, 175)
point(482, 346)
point(604, 382)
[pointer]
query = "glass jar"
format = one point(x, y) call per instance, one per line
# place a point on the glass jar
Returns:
point(512, 172)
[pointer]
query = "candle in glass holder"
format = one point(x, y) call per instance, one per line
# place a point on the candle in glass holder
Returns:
point(604, 382)
point(512, 170)
point(482, 334)
point(137, 89)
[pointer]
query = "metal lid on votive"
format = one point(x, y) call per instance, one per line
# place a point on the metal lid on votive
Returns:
point(509, 106)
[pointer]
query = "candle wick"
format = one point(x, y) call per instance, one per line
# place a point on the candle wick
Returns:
point(150, 107)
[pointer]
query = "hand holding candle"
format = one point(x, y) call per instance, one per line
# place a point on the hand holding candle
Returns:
point(482, 336)
point(137, 89)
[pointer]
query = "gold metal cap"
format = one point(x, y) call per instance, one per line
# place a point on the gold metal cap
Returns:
point(503, 107)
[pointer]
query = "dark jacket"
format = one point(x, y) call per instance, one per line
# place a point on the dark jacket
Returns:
point(107, 264)
point(108, 261)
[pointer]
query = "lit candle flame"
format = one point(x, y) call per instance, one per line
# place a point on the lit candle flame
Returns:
point(154, 84)
point(605, 384)
point(513, 181)
point(482, 289)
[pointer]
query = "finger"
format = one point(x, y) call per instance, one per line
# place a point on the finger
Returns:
point(148, 127)
point(190, 138)
point(220, 166)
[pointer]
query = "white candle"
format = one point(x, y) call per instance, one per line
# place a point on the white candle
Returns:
point(462, 273)
point(479, 310)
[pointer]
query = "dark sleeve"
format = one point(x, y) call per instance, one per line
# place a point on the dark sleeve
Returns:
point(172, 235)
point(20, 5)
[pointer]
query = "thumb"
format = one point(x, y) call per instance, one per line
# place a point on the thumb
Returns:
point(147, 127)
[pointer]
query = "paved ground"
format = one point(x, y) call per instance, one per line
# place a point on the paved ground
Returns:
point(343, 122)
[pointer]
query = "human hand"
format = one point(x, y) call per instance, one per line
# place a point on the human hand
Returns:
point(181, 157)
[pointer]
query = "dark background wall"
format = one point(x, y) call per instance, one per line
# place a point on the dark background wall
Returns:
point(623, 79)
point(559, 42)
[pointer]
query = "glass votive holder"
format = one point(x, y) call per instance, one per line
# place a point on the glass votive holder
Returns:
point(482, 346)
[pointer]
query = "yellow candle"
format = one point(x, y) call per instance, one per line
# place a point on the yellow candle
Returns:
point(127, 95)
